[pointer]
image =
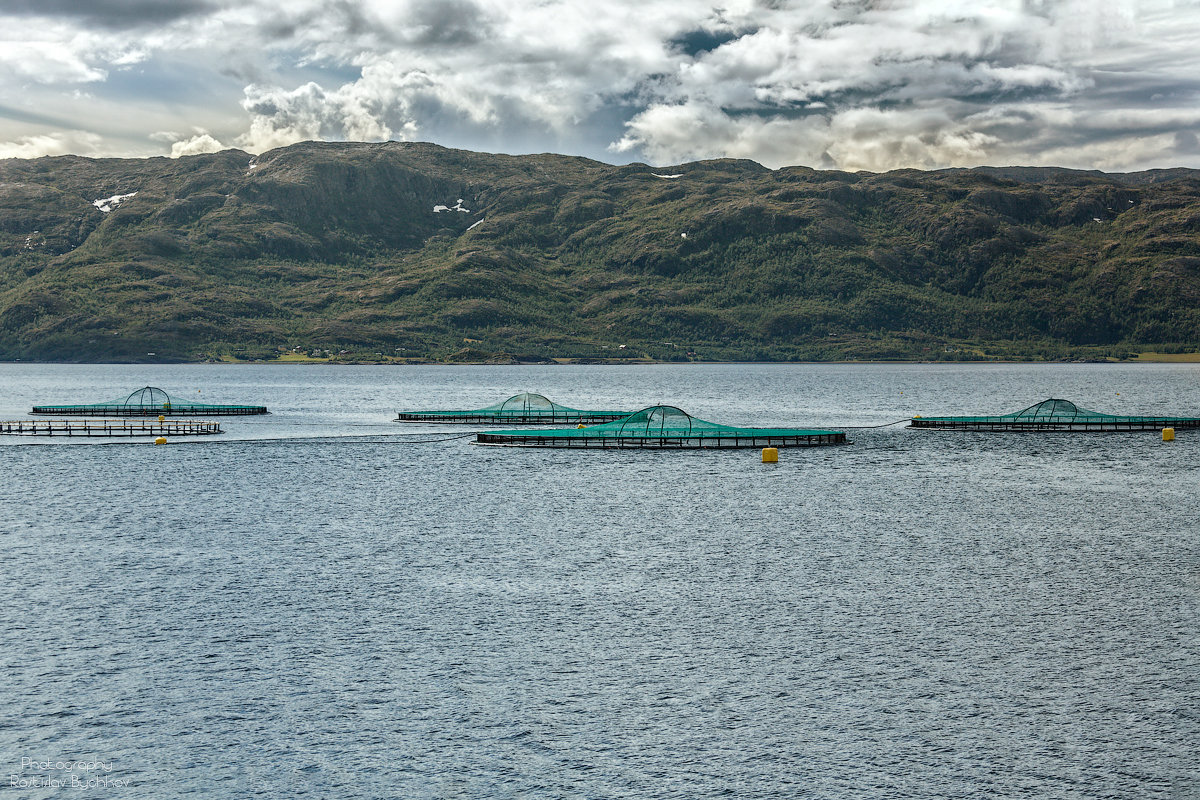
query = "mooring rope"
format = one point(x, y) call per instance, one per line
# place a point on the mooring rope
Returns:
point(869, 427)
point(383, 438)
point(391, 438)
point(429, 441)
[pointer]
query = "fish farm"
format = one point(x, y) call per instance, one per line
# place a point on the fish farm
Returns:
point(148, 402)
point(109, 427)
point(521, 409)
point(664, 428)
point(1054, 415)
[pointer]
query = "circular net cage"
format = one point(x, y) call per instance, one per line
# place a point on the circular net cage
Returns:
point(149, 401)
point(1055, 415)
point(663, 427)
point(527, 408)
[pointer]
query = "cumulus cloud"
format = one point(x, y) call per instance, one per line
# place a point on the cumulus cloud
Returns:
point(880, 86)
point(374, 108)
point(202, 142)
point(856, 84)
point(878, 140)
point(53, 144)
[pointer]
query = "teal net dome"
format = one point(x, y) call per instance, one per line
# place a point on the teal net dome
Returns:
point(149, 401)
point(1054, 415)
point(662, 427)
point(527, 408)
point(525, 402)
point(664, 421)
point(149, 397)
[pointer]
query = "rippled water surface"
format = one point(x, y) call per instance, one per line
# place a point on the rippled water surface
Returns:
point(310, 605)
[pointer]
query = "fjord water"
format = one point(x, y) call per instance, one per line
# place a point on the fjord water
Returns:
point(310, 605)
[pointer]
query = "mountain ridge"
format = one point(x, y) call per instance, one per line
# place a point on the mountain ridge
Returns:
point(404, 251)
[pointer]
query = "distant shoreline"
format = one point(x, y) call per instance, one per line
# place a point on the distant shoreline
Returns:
point(1143, 358)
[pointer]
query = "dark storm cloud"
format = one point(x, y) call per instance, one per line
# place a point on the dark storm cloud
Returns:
point(446, 22)
point(342, 18)
point(112, 14)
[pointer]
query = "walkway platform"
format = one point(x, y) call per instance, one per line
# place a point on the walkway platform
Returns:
point(108, 427)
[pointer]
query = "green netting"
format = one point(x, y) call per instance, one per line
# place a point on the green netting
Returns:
point(520, 409)
point(149, 401)
point(662, 427)
point(1055, 414)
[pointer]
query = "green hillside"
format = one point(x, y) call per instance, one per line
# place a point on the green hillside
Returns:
point(413, 251)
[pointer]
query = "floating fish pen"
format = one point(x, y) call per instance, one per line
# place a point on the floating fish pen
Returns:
point(521, 409)
point(664, 428)
point(109, 427)
point(149, 402)
point(1054, 415)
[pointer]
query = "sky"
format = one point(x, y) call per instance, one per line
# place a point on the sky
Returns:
point(848, 84)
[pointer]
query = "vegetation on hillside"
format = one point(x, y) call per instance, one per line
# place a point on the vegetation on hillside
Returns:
point(401, 251)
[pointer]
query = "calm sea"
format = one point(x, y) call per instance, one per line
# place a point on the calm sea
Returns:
point(311, 605)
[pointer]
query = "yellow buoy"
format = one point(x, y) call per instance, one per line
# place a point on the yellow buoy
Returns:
point(770, 455)
point(161, 440)
point(1168, 434)
point(161, 418)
